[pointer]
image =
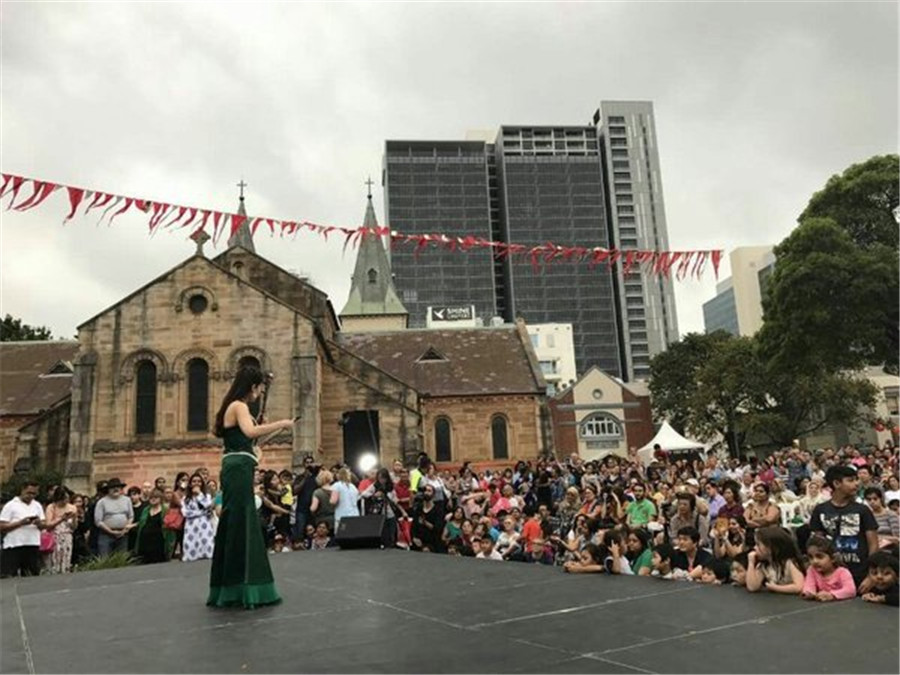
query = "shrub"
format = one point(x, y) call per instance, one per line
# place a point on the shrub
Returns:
point(112, 561)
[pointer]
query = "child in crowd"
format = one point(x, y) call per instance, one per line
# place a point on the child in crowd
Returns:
point(321, 539)
point(539, 551)
point(485, 547)
point(590, 560)
point(615, 560)
point(826, 580)
point(881, 581)
point(690, 558)
point(716, 573)
point(662, 562)
point(774, 563)
point(739, 570)
point(278, 545)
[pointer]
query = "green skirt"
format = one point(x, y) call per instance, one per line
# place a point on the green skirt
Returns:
point(240, 575)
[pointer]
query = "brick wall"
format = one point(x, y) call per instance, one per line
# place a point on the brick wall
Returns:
point(470, 425)
point(565, 432)
point(133, 468)
point(639, 421)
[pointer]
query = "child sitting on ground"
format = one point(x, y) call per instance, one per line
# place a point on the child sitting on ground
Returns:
point(615, 561)
point(774, 564)
point(662, 562)
point(881, 582)
point(826, 580)
point(716, 573)
point(590, 560)
point(739, 570)
point(321, 539)
point(485, 548)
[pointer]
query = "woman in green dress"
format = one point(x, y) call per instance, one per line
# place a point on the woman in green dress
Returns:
point(240, 575)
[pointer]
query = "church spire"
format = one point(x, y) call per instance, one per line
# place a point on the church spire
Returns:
point(243, 236)
point(372, 291)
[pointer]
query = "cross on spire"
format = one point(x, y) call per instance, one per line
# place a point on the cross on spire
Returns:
point(242, 185)
point(370, 182)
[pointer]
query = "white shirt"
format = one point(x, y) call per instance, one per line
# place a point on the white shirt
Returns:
point(891, 495)
point(493, 556)
point(27, 535)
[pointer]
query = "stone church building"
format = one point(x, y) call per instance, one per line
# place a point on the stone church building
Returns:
point(147, 375)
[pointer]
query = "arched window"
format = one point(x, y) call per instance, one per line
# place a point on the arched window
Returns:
point(145, 400)
point(373, 276)
point(601, 427)
point(442, 444)
point(198, 395)
point(498, 437)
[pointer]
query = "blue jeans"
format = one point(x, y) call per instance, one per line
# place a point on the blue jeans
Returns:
point(107, 544)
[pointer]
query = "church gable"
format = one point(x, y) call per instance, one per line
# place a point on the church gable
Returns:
point(281, 284)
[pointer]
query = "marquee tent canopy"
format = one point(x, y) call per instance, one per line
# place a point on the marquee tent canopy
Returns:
point(669, 440)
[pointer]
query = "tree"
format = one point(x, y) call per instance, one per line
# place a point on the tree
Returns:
point(831, 305)
point(14, 330)
point(706, 384)
point(862, 201)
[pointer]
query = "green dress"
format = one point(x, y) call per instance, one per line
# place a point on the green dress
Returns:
point(240, 575)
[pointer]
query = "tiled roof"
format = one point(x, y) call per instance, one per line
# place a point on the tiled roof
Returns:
point(22, 389)
point(475, 361)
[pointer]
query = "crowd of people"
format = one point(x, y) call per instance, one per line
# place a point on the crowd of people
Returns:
point(823, 525)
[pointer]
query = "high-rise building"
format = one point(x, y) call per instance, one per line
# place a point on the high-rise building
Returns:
point(594, 185)
point(550, 187)
point(637, 218)
point(439, 188)
point(737, 307)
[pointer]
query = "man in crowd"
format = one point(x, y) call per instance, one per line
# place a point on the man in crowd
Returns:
point(642, 510)
point(114, 517)
point(21, 521)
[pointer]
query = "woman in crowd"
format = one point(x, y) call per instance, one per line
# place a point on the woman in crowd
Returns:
point(453, 528)
point(381, 498)
point(591, 506)
point(344, 497)
point(173, 523)
point(440, 492)
point(590, 561)
point(151, 541)
point(198, 512)
point(813, 496)
point(80, 531)
point(761, 512)
point(639, 554)
point(774, 563)
point(240, 574)
point(273, 514)
point(731, 493)
point(888, 521)
point(729, 541)
point(321, 508)
point(892, 489)
point(60, 517)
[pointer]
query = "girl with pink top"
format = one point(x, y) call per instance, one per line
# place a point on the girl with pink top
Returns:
point(825, 579)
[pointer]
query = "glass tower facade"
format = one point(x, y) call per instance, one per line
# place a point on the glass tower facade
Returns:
point(439, 188)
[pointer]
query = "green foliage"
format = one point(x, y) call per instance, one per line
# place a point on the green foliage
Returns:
point(45, 478)
point(114, 560)
point(862, 201)
point(12, 330)
point(831, 305)
point(674, 373)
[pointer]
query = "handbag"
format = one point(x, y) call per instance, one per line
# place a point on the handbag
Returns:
point(48, 541)
point(173, 520)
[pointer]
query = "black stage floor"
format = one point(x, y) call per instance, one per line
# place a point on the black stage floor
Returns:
point(393, 611)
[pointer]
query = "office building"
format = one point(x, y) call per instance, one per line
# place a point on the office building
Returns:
point(555, 350)
point(439, 188)
point(637, 218)
point(737, 307)
point(594, 185)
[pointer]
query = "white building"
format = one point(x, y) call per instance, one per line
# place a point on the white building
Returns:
point(555, 349)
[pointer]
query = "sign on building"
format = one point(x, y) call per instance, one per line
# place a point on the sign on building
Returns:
point(451, 316)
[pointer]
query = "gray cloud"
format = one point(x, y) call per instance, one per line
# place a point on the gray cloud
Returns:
point(757, 104)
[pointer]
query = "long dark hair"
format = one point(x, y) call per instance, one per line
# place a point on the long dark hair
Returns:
point(247, 377)
point(781, 546)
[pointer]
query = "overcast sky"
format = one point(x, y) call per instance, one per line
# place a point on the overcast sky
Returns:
point(757, 104)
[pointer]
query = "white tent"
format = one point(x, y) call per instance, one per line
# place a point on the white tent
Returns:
point(669, 440)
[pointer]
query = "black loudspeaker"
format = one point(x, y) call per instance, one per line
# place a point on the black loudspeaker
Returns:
point(360, 531)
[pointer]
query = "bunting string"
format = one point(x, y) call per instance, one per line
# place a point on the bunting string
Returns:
point(26, 194)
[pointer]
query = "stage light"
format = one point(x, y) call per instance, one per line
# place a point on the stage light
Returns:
point(367, 462)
